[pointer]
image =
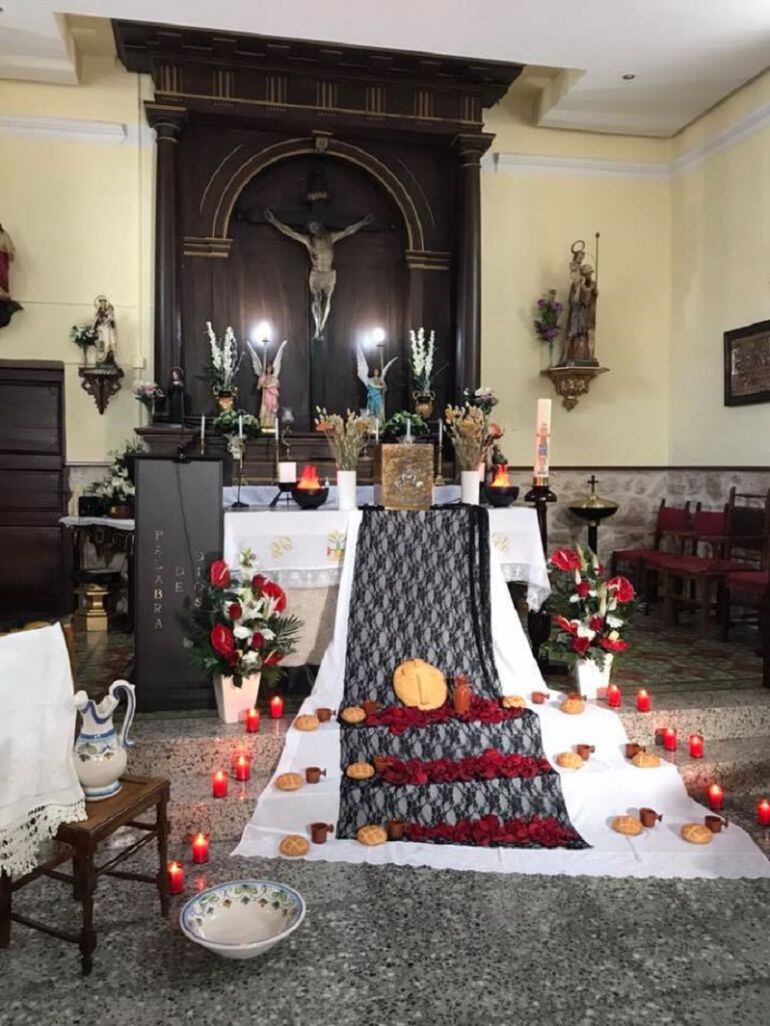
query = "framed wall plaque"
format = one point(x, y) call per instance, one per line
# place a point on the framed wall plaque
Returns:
point(747, 364)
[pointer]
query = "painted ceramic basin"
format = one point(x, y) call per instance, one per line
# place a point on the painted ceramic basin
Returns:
point(242, 918)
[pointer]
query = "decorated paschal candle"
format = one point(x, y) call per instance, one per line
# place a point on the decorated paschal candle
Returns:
point(695, 745)
point(200, 849)
point(763, 812)
point(715, 797)
point(276, 707)
point(614, 696)
point(219, 784)
point(642, 701)
point(669, 739)
point(175, 878)
point(241, 767)
point(252, 721)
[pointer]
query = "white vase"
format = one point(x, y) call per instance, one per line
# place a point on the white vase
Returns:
point(589, 679)
point(232, 702)
point(100, 751)
point(346, 489)
point(469, 483)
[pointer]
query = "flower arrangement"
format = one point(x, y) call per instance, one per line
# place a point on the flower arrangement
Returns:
point(239, 628)
point(471, 434)
point(231, 423)
point(116, 488)
point(225, 361)
point(421, 353)
point(347, 436)
point(588, 612)
point(84, 337)
point(483, 397)
point(398, 718)
point(489, 831)
point(490, 765)
point(547, 321)
point(147, 393)
point(396, 426)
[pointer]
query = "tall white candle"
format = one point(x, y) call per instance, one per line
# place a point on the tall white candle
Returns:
point(376, 432)
point(240, 425)
point(440, 432)
point(542, 439)
point(203, 428)
point(409, 430)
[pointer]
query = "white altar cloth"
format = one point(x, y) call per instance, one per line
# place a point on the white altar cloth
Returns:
point(305, 549)
point(607, 786)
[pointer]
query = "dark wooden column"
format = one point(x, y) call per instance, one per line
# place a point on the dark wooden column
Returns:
point(469, 149)
point(168, 121)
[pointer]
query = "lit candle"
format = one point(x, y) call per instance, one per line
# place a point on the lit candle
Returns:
point(669, 739)
point(614, 696)
point(200, 849)
point(240, 426)
point(276, 707)
point(219, 784)
point(542, 439)
point(175, 878)
point(715, 797)
point(642, 701)
point(763, 812)
point(287, 472)
point(695, 744)
point(241, 768)
point(252, 721)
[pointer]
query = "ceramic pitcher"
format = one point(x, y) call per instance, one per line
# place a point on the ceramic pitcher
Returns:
point(100, 751)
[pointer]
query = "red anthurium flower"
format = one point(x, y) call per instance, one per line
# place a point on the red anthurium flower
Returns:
point(276, 594)
point(234, 611)
point(624, 590)
point(596, 623)
point(580, 645)
point(613, 646)
point(565, 624)
point(219, 574)
point(257, 640)
point(565, 559)
point(222, 640)
point(582, 589)
point(272, 659)
point(258, 582)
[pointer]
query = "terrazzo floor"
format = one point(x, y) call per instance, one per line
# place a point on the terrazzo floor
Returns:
point(413, 947)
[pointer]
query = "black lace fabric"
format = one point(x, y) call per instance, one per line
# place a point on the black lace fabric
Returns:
point(421, 590)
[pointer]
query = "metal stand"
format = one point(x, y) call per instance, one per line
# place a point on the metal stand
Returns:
point(238, 504)
point(285, 488)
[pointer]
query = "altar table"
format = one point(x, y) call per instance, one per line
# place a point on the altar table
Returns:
point(303, 550)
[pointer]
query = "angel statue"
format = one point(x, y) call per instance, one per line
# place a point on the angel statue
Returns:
point(375, 386)
point(267, 373)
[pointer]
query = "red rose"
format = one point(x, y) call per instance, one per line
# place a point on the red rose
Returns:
point(596, 623)
point(565, 624)
point(565, 559)
point(234, 611)
point(219, 574)
point(624, 590)
point(257, 640)
point(617, 645)
point(580, 645)
point(276, 594)
point(582, 589)
point(258, 583)
point(222, 640)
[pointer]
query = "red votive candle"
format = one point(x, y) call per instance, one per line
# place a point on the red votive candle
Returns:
point(252, 721)
point(763, 812)
point(695, 744)
point(276, 707)
point(642, 701)
point(175, 878)
point(613, 696)
point(669, 739)
point(200, 849)
point(241, 768)
point(715, 797)
point(219, 784)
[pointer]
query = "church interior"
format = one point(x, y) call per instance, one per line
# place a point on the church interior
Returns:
point(385, 513)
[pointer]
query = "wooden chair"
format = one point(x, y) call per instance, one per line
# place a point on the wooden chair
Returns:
point(697, 580)
point(80, 842)
point(672, 526)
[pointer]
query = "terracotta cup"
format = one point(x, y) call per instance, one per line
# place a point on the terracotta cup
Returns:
point(633, 749)
point(538, 697)
point(396, 829)
point(323, 714)
point(318, 832)
point(584, 751)
point(715, 823)
point(371, 706)
point(659, 732)
point(649, 817)
point(314, 773)
point(380, 763)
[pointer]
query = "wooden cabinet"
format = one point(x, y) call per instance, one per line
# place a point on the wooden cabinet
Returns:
point(33, 491)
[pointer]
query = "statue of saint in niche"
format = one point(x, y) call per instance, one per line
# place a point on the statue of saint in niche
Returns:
point(268, 374)
point(581, 309)
point(319, 242)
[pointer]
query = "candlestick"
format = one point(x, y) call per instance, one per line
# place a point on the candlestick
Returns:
point(219, 784)
point(695, 745)
point(715, 797)
point(642, 701)
point(669, 739)
point(614, 696)
point(252, 721)
point(200, 849)
point(175, 877)
point(241, 768)
point(763, 812)
point(275, 707)
point(542, 442)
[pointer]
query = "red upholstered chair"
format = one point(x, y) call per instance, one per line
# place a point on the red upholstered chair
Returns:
point(741, 546)
point(672, 530)
point(747, 589)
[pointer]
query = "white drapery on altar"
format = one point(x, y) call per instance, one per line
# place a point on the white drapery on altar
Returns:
point(608, 785)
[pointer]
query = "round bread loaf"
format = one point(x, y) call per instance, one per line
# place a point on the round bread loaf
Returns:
point(646, 760)
point(371, 835)
point(359, 771)
point(696, 833)
point(294, 844)
point(419, 685)
point(569, 760)
point(629, 825)
point(353, 714)
point(306, 722)
point(513, 702)
point(572, 706)
point(289, 782)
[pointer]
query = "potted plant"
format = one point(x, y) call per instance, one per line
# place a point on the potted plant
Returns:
point(224, 363)
point(239, 634)
point(546, 323)
point(590, 615)
point(473, 437)
point(147, 393)
point(421, 353)
point(395, 429)
point(85, 337)
point(347, 437)
point(116, 489)
point(237, 426)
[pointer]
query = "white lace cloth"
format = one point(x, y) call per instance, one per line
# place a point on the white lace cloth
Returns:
point(607, 786)
point(39, 788)
point(303, 549)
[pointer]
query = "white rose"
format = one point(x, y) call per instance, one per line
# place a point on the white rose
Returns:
point(242, 632)
point(614, 621)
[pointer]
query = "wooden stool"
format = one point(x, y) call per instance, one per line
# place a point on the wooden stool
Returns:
point(81, 841)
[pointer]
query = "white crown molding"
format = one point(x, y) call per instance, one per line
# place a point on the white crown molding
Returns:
point(754, 121)
point(65, 129)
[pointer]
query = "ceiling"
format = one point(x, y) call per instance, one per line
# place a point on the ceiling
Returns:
point(686, 55)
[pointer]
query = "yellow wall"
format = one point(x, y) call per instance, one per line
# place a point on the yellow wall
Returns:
point(80, 214)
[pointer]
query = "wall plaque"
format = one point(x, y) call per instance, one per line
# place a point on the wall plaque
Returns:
point(747, 364)
point(178, 534)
